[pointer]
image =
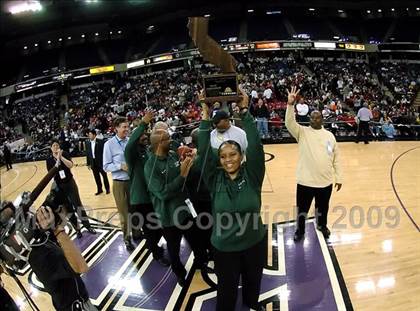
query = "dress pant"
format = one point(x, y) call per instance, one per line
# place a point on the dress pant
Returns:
point(173, 236)
point(72, 191)
point(121, 191)
point(304, 197)
point(97, 171)
point(205, 228)
point(6, 301)
point(9, 165)
point(363, 128)
point(151, 233)
point(231, 266)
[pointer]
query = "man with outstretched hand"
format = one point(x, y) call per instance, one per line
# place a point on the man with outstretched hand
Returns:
point(318, 167)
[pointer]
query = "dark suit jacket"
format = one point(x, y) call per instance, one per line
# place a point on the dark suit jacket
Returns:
point(99, 151)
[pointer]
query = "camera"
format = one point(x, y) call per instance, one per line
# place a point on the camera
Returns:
point(19, 231)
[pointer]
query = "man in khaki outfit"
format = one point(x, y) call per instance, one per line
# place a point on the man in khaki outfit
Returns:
point(318, 167)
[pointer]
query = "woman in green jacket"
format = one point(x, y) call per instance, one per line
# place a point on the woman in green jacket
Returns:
point(239, 236)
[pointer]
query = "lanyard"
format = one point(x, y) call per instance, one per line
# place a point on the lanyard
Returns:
point(119, 143)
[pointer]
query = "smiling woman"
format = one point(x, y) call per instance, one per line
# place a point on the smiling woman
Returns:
point(238, 237)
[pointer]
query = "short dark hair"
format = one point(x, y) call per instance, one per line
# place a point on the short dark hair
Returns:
point(92, 131)
point(230, 142)
point(220, 115)
point(55, 140)
point(119, 120)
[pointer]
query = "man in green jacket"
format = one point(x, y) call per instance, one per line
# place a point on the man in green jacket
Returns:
point(141, 208)
point(165, 177)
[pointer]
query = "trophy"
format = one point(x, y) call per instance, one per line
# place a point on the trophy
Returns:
point(219, 87)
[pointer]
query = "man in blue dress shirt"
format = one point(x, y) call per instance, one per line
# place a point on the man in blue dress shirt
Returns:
point(114, 162)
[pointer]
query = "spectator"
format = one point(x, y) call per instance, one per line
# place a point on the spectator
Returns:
point(364, 115)
point(318, 168)
point(94, 160)
point(226, 131)
point(114, 162)
point(262, 116)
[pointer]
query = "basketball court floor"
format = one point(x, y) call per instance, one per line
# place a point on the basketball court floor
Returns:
point(371, 261)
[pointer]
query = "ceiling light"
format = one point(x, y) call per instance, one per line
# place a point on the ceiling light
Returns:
point(36, 44)
point(110, 32)
point(418, 9)
point(207, 15)
point(83, 36)
point(250, 11)
point(119, 31)
point(96, 34)
point(368, 11)
point(379, 11)
point(340, 11)
point(28, 6)
point(311, 9)
point(25, 47)
point(392, 9)
point(336, 37)
point(60, 39)
point(68, 38)
point(49, 41)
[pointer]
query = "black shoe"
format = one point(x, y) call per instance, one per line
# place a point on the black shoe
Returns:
point(325, 231)
point(366, 142)
point(298, 236)
point(79, 234)
point(163, 261)
point(91, 230)
point(206, 269)
point(259, 308)
point(99, 192)
point(108, 192)
point(356, 142)
point(137, 235)
point(129, 245)
point(181, 280)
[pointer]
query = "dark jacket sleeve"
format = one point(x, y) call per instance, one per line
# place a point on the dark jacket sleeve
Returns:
point(255, 162)
point(48, 162)
point(207, 160)
point(130, 149)
point(99, 152)
point(88, 152)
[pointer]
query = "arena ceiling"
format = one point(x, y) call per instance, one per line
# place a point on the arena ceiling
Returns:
point(62, 15)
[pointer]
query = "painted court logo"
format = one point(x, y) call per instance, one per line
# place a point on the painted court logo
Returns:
point(300, 276)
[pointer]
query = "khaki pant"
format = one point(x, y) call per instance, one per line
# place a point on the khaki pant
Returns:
point(121, 192)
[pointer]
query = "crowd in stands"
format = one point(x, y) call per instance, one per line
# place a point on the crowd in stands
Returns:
point(337, 88)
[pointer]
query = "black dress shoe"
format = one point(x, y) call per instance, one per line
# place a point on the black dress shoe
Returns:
point(325, 231)
point(163, 261)
point(129, 245)
point(181, 281)
point(108, 192)
point(79, 234)
point(99, 192)
point(91, 230)
point(138, 236)
point(298, 236)
point(206, 269)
